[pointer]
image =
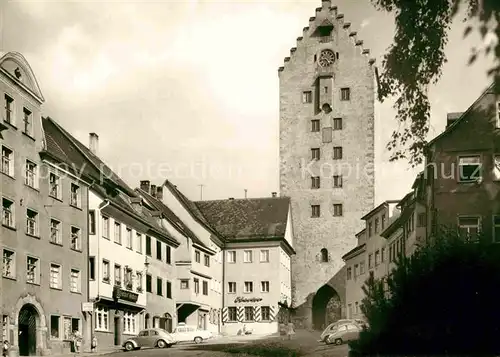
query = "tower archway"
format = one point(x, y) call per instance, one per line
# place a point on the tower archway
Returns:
point(326, 307)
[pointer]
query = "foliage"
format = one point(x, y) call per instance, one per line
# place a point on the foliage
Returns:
point(415, 59)
point(442, 300)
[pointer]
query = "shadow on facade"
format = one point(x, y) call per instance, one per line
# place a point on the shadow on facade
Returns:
point(324, 306)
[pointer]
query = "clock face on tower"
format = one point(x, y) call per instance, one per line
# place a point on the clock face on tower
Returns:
point(326, 58)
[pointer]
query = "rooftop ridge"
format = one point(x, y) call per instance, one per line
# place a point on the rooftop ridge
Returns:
point(322, 13)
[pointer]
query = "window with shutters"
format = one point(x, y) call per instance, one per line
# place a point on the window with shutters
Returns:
point(265, 313)
point(231, 314)
point(249, 313)
point(327, 135)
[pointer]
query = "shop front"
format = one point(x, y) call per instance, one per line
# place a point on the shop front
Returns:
point(249, 314)
point(118, 318)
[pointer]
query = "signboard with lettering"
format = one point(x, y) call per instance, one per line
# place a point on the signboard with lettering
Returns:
point(124, 295)
point(245, 299)
point(87, 306)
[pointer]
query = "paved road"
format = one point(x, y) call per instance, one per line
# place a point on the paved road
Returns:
point(304, 344)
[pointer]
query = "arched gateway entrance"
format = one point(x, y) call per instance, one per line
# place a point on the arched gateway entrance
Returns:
point(326, 307)
point(29, 321)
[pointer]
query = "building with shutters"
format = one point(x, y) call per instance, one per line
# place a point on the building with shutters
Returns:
point(327, 98)
point(127, 244)
point(43, 236)
point(258, 247)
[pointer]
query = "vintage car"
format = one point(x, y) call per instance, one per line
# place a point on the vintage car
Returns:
point(343, 333)
point(186, 333)
point(151, 337)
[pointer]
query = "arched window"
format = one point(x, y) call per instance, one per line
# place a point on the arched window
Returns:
point(324, 255)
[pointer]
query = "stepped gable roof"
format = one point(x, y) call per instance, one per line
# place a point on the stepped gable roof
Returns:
point(239, 219)
point(171, 217)
point(62, 146)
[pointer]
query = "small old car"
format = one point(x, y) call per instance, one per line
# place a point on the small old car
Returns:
point(151, 337)
point(338, 323)
point(343, 333)
point(186, 333)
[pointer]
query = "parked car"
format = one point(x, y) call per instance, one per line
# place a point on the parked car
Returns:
point(185, 333)
point(343, 333)
point(336, 324)
point(153, 337)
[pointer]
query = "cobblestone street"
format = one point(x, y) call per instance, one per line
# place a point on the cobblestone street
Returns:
point(304, 343)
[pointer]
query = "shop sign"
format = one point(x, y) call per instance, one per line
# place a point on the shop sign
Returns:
point(245, 299)
point(125, 295)
point(87, 307)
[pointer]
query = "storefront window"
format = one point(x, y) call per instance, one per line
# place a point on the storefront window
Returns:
point(129, 323)
point(102, 319)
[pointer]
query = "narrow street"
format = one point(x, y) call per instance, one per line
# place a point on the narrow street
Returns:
point(305, 343)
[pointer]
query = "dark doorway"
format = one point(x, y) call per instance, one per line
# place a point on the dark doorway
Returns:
point(117, 331)
point(146, 321)
point(28, 321)
point(326, 307)
point(166, 322)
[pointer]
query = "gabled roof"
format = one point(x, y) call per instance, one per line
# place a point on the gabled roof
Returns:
point(378, 208)
point(353, 252)
point(239, 219)
point(189, 206)
point(63, 147)
point(31, 83)
point(452, 126)
point(169, 215)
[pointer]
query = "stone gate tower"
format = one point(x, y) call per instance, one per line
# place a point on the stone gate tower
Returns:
point(327, 100)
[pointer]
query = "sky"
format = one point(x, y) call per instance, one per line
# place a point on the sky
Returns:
point(188, 90)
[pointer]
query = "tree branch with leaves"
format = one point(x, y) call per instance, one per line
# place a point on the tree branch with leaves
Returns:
point(415, 61)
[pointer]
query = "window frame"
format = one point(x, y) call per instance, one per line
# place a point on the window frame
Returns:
point(12, 212)
point(345, 94)
point(459, 170)
point(267, 256)
point(247, 256)
point(315, 125)
point(338, 210)
point(338, 153)
point(307, 97)
point(78, 281)
point(36, 222)
point(36, 273)
point(78, 236)
point(33, 174)
point(8, 161)
point(13, 260)
point(248, 284)
point(315, 211)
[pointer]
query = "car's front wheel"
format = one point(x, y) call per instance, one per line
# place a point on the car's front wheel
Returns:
point(129, 346)
point(161, 344)
point(198, 340)
point(338, 341)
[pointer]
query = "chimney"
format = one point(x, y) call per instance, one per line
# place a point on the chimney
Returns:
point(273, 194)
point(94, 143)
point(136, 203)
point(157, 215)
point(153, 190)
point(145, 185)
point(452, 117)
point(159, 193)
